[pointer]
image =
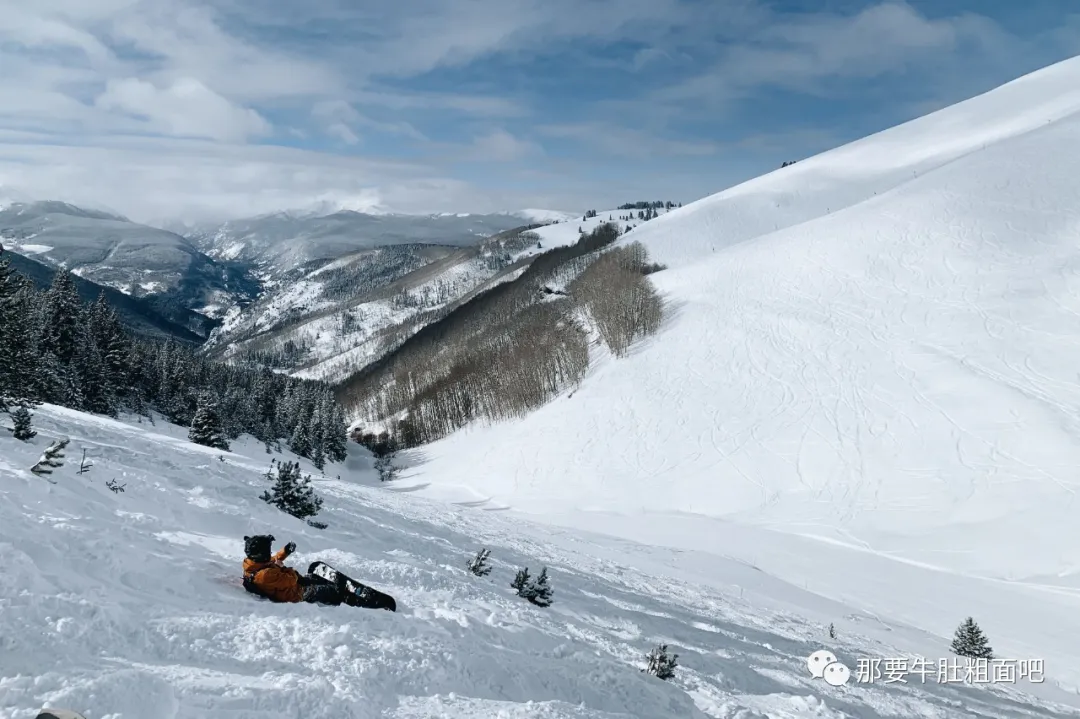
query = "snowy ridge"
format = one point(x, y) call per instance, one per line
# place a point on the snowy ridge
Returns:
point(872, 351)
point(128, 606)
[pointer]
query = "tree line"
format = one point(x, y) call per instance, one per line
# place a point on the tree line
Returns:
point(56, 349)
point(646, 205)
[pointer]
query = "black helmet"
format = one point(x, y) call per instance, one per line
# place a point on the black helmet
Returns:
point(258, 548)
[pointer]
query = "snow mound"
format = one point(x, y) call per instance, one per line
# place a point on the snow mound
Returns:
point(873, 350)
point(128, 605)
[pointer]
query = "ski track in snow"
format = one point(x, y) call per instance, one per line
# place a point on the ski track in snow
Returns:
point(129, 606)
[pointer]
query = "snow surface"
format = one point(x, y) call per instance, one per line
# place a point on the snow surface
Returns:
point(868, 383)
point(28, 248)
point(129, 606)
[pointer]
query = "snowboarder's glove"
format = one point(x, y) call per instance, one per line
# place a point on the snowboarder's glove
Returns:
point(290, 548)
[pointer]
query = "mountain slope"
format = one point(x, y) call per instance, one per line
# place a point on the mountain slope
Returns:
point(113, 251)
point(874, 347)
point(329, 319)
point(128, 604)
point(145, 316)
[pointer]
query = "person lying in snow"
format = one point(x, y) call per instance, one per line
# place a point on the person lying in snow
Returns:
point(267, 576)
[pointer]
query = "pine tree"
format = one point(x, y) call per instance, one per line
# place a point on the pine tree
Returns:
point(521, 581)
point(478, 565)
point(23, 429)
point(538, 591)
point(300, 440)
point(335, 439)
point(8, 330)
point(316, 453)
point(661, 664)
point(292, 493)
point(206, 428)
point(59, 339)
point(52, 457)
point(969, 641)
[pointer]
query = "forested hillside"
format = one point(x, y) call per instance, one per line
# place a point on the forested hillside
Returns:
point(57, 349)
point(512, 348)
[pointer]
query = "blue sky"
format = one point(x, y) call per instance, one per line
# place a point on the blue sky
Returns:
point(181, 108)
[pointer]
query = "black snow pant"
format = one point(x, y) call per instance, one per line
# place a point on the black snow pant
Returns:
point(319, 591)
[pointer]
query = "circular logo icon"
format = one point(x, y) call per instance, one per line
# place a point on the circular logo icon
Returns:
point(817, 662)
point(836, 674)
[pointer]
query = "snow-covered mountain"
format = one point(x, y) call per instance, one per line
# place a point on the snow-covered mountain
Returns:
point(873, 351)
point(129, 605)
point(144, 316)
point(113, 251)
point(330, 321)
point(284, 242)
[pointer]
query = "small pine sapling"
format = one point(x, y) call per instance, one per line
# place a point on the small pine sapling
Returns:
point(969, 641)
point(24, 431)
point(478, 565)
point(52, 457)
point(539, 591)
point(292, 493)
point(115, 486)
point(661, 664)
point(521, 581)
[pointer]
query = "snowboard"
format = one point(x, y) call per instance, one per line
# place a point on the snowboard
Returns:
point(59, 714)
point(357, 594)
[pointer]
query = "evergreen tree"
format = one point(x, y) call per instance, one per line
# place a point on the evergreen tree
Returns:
point(969, 641)
point(206, 428)
point(59, 339)
point(661, 664)
point(89, 369)
point(23, 429)
point(300, 441)
point(538, 591)
point(8, 288)
point(52, 458)
point(478, 565)
point(335, 440)
point(317, 428)
point(521, 581)
point(292, 493)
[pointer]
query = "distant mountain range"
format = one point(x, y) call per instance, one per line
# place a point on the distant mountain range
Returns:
point(284, 242)
point(152, 317)
point(244, 283)
point(138, 260)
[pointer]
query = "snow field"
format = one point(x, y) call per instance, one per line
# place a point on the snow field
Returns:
point(872, 352)
point(128, 605)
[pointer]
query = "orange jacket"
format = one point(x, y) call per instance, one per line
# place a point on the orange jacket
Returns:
point(274, 580)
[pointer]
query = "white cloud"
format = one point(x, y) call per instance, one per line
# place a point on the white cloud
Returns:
point(154, 179)
point(800, 54)
point(84, 82)
point(185, 108)
point(337, 118)
point(500, 146)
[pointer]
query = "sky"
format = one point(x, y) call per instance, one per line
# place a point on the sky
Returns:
point(201, 110)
